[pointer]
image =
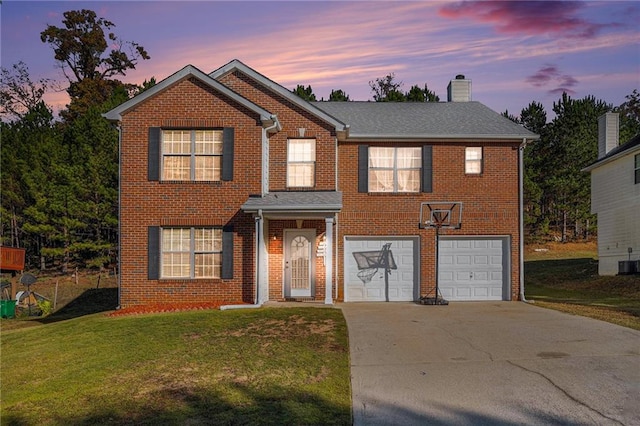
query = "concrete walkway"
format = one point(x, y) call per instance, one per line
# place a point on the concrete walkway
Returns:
point(498, 363)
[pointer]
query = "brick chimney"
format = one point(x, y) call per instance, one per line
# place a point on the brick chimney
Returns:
point(608, 133)
point(459, 89)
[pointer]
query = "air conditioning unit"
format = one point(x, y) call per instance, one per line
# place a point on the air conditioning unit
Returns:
point(627, 267)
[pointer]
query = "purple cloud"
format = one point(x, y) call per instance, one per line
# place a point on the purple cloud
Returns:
point(550, 75)
point(559, 18)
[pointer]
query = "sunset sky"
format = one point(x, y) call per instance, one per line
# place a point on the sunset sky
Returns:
point(514, 52)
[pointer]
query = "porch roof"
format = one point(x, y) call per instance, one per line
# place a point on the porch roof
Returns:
point(320, 203)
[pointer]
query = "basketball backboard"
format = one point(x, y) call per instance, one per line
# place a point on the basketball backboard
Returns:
point(440, 214)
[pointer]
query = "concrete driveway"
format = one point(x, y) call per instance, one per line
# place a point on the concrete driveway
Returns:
point(498, 363)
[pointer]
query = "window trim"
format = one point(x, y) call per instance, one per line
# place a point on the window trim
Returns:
point(636, 169)
point(469, 162)
point(313, 162)
point(192, 154)
point(395, 169)
point(192, 253)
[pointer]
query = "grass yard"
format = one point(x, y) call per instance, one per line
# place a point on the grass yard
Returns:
point(268, 366)
point(565, 277)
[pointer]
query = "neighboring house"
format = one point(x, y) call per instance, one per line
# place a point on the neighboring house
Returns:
point(615, 196)
point(234, 189)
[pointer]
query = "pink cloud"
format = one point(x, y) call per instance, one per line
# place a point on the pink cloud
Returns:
point(527, 17)
point(551, 75)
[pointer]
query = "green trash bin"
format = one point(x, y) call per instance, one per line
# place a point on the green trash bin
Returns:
point(7, 308)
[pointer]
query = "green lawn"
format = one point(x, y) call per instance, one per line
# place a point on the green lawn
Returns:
point(566, 278)
point(259, 366)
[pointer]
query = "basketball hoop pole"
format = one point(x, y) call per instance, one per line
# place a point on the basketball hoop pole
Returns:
point(437, 259)
point(436, 215)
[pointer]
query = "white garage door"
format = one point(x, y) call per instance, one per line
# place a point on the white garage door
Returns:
point(474, 268)
point(379, 269)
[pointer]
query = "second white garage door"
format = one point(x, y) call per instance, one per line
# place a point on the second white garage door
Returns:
point(366, 280)
point(474, 268)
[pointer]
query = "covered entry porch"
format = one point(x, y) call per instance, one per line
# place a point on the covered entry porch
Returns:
point(295, 244)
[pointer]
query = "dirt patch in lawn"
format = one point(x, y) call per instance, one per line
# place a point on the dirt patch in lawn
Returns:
point(288, 329)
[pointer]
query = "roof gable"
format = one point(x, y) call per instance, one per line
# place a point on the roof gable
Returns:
point(617, 152)
point(236, 65)
point(189, 71)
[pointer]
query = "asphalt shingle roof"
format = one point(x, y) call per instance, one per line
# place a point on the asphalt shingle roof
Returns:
point(294, 200)
point(423, 120)
point(620, 149)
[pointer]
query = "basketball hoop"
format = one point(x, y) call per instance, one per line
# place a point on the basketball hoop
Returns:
point(441, 214)
point(438, 215)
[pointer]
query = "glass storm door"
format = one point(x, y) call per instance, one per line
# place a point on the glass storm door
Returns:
point(299, 262)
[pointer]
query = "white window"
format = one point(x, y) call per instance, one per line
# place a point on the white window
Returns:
point(301, 163)
point(191, 155)
point(637, 169)
point(393, 169)
point(473, 160)
point(191, 252)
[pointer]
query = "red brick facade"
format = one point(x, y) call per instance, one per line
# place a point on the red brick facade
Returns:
point(491, 204)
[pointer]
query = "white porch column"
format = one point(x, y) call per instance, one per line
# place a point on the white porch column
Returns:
point(328, 268)
point(262, 271)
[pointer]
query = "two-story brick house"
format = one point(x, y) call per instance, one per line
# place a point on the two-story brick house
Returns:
point(234, 189)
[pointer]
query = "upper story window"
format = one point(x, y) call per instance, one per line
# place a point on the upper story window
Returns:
point(394, 169)
point(301, 163)
point(191, 155)
point(637, 168)
point(473, 160)
point(191, 252)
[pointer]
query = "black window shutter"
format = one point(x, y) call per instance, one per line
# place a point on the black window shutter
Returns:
point(427, 168)
point(227, 253)
point(153, 250)
point(363, 168)
point(227, 153)
point(153, 166)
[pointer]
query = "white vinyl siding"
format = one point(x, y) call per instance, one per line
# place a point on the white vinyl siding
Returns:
point(615, 198)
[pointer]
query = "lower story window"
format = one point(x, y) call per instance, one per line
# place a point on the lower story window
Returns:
point(637, 169)
point(191, 252)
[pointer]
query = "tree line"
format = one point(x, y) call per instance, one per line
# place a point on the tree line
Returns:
point(60, 175)
point(557, 194)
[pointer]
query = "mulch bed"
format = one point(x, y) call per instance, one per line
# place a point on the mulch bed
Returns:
point(170, 307)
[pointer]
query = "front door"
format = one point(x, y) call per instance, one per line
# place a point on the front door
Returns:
point(299, 264)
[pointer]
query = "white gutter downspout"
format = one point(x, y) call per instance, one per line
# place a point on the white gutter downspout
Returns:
point(336, 255)
point(265, 153)
point(118, 279)
point(521, 218)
